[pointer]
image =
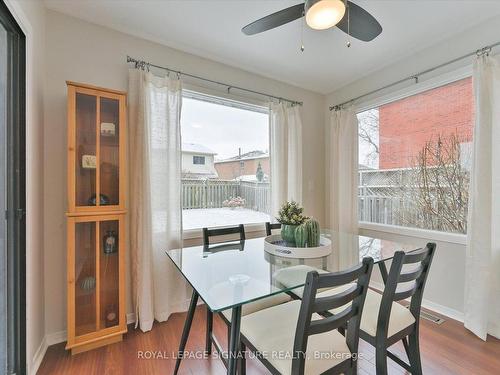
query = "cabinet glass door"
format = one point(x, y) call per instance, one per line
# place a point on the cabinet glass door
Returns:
point(86, 107)
point(85, 278)
point(109, 273)
point(109, 152)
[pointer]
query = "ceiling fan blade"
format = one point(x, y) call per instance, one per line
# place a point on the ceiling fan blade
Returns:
point(362, 25)
point(274, 20)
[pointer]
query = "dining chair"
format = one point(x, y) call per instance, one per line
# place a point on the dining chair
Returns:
point(208, 248)
point(385, 321)
point(293, 338)
point(270, 227)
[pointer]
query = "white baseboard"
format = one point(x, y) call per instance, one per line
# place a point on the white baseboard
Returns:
point(48, 340)
point(38, 357)
point(130, 318)
point(53, 339)
point(430, 305)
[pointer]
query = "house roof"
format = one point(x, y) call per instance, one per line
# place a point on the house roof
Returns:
point(196, 148)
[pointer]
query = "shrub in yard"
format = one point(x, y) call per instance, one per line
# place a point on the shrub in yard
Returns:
point(234, 202)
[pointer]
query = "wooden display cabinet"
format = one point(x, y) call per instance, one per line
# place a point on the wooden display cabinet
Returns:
point(96, 216)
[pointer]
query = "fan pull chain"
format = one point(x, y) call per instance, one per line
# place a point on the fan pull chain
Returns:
point(302, 48)
point(348, 26)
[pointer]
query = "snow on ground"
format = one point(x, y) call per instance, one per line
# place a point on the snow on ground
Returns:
point(216, 217)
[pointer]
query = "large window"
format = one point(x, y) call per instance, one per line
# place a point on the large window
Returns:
point(225, 162)
point(414, 159)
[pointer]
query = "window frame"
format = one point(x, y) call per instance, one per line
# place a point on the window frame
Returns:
point(191, 91)
point(377, 101)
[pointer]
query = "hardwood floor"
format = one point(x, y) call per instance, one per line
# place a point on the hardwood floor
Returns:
point(446, 349)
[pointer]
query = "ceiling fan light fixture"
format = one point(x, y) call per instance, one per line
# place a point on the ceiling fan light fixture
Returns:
point(323, 14)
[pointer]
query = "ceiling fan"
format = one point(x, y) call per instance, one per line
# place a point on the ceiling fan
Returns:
point(321, 15)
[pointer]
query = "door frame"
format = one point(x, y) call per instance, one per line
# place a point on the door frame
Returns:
point(16, 191)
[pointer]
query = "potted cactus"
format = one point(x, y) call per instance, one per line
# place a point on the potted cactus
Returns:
point(308, 234)
point(290, 216)
point(301, 235)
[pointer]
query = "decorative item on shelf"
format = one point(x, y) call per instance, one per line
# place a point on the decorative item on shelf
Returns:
point(88, 283)
point(108, 129)
point(103, 201)
point(89, 162)
point(232, 203)
point(111, 315)
point(109, 245)
point(290, 216)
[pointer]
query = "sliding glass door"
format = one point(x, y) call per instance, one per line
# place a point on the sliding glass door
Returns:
point(12, 195)
point(3, 226)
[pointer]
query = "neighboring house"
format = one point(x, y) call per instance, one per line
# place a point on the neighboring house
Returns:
point(405, 125)
point(243, 165)
point(198, 161)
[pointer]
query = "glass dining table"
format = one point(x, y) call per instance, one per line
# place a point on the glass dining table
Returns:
point(228, 276)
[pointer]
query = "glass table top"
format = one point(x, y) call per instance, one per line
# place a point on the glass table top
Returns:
point(237, 273)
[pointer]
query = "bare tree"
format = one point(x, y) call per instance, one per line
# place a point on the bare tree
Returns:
point(435, 195)
point(369, 135)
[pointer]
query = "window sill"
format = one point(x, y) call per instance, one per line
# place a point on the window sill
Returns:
point(454, 238)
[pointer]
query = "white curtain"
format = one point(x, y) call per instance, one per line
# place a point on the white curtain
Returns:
point(286, 155)
point(343, 170)
point(155, 205)
point(482, 271)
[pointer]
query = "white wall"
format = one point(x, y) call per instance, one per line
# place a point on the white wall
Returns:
point(31, 17)
point(445, 288)
point(445, 284)
point(83, 52)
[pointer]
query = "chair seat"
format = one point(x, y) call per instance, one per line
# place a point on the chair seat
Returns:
point(401, 317)
point(272, 333)
point(260, 304)
point(294, 275)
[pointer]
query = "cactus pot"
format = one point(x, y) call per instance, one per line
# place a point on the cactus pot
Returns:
point(288, 233)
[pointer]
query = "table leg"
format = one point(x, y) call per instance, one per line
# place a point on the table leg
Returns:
point(234, 340)
point(187, 328)
point(383, 271)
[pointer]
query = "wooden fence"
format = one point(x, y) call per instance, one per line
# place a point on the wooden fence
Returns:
point(202, 194)
point(213, 193)
point(383, 209)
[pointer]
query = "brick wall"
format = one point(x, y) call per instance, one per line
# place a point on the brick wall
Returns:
point(407, 124)
point(229, 170)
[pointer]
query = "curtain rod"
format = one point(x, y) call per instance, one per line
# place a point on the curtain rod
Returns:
point(145, 64)
point(482, 51)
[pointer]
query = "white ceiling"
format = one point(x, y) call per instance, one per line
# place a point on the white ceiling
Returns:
point(211, 29)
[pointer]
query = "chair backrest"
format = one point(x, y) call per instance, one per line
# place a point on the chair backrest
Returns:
point(358, 278)
point(210, 233)
point(402, 284)
point(270, 227)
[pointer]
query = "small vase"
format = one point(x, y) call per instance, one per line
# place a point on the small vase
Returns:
point(288, 233)
point(109, 242)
